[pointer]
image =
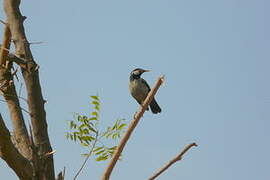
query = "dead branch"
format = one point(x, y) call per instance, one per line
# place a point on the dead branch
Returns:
point(171, 162)
point(10, 154)
point(132, 125)
point(10, 95)
point(6, 45)
point(34, 94)
point(61, 175)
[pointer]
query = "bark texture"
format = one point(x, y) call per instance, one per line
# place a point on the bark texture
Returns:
point(33, 149)
point(9, 92)
point(11, 155)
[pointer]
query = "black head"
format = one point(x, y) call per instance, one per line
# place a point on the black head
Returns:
point(136, 73)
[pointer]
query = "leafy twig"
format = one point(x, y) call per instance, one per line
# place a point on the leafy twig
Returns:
point(87, 157)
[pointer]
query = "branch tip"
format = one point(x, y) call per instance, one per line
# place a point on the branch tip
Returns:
point(171, 162)
point(49, 153)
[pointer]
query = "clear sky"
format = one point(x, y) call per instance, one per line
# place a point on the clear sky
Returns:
point(214, 54)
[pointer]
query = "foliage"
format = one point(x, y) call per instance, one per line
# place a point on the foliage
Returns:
point(85, 131)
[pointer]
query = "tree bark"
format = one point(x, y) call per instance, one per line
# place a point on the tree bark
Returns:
point(9, 92)
point(45, 165)
point(11, 155)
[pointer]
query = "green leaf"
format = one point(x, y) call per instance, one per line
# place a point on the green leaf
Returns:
point(114, 136)
point(97, 149)
point(109, 134)
point(122, 126)
point(79, 118)
point(92, 129)
point(85, 131)
point(112, 148)
point(87, 138)
point(95, 103)
point(71, 137)
point(102, 158)
point(84, 144)
point(99, 152)
point(94, 113)
point(95, 97)
point(72, 125)
point(92, 118)
point(97, 108)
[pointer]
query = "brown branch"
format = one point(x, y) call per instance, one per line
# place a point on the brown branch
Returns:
point(61, 175)
point(10, 154)
point(20, 61)
point(14, 58)
point(10, 95)
point(132, 125)
point(34, 94)
point(5, 45)
point(171, 162)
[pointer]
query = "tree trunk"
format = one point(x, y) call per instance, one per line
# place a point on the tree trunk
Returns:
point(30, 154)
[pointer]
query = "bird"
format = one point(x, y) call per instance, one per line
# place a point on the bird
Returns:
point(139, 89)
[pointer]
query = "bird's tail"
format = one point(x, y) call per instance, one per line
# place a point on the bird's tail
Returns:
point(155, 107)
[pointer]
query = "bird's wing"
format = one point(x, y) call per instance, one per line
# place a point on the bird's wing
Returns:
point(143, 81)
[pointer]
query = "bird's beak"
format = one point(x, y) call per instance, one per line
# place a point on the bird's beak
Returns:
point(146, 70)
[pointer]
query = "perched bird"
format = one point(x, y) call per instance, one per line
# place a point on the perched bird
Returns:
point(139, 89)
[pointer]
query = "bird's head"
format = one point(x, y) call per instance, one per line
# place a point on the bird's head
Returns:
point(136, 73)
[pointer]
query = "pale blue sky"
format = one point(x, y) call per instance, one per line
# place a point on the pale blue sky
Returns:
point(215, 55)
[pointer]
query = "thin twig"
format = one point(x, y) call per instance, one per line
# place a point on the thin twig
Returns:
point(39, 42)
point(87, 157)
point(174, 160)
point(3, 22)
point(1, 100)
point(10, 95)
point(14, 58)
point(25, 111)
point(132, 125)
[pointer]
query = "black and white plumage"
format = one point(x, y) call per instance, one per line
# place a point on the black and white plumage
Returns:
point(139, 89)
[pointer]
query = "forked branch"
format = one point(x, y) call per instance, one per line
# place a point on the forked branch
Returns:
point(9, 92)
point(10, 154)
point(132, 125)
point(33, 88)
point(174, 160)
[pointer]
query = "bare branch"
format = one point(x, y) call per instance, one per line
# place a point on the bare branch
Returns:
point(5, 45)
point(34, 95)
point(174, 160)
point(10, 95)
point(61, 175)
point(10, 154)
point(132, 125)
point(39, 42)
